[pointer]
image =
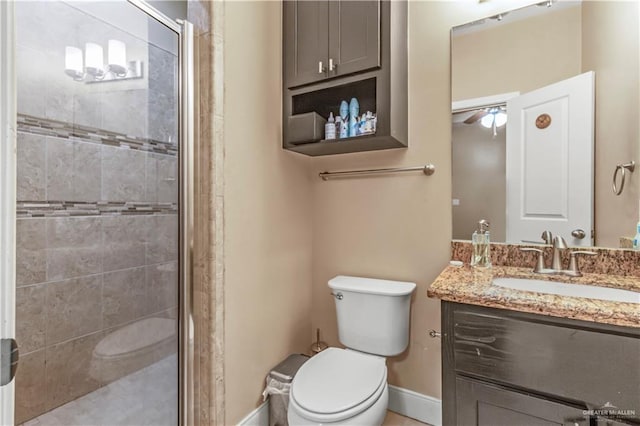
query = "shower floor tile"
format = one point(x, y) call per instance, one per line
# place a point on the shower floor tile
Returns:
point(146, 397)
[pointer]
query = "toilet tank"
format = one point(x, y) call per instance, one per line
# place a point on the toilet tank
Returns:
point(373, 315)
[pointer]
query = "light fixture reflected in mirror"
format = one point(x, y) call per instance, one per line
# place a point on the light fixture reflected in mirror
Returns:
point(73, 63)
point(93, 60)
point(496, 117)
point(490, 117)
point(93, 70)
point(117, 58)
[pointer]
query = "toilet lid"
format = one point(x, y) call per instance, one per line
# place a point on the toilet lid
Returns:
point(336, 380)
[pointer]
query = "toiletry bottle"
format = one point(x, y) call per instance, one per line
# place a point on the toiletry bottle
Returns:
point(330, 128)
point(362, 125)
point(344, 111)
point(354, 110)
point(341, 128)
point(481, 257)
point(338, 124)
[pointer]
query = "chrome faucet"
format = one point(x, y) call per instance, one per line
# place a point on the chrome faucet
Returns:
point(547, 238)
point(558, 244)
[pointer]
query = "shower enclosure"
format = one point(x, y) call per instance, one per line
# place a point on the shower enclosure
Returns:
point(96, 202)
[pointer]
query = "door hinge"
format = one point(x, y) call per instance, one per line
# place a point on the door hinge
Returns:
point(9, 356)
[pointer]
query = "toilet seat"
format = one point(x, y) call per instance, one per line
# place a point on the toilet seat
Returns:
point(338, 384)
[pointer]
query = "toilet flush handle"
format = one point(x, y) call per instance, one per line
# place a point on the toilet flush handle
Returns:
point(337, 295)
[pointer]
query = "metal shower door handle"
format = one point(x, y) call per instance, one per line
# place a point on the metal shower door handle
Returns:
point(9, 356)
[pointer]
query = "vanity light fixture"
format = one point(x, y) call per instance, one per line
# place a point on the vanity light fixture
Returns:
point(91, 68)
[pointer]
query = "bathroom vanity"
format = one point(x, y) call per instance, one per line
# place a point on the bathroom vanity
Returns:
point(503, 367)
point(513, 357)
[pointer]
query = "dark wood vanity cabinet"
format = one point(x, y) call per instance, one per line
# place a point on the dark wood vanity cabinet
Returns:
point(327, 39)
point(485, 404)
point(503, 367)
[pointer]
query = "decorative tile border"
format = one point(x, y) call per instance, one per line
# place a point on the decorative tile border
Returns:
point(27, 209)
point(60, 129)
point(608, 261)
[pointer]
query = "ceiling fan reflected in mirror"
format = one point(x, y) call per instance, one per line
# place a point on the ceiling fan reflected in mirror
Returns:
point(491, 118)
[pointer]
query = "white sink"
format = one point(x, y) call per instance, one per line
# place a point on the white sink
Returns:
point(573, 290)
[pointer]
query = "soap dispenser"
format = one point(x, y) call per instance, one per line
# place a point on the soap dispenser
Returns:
point(481, 257)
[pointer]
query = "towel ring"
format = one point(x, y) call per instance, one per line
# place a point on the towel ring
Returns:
point(624, 167)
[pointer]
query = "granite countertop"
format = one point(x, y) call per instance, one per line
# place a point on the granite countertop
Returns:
point(464, 284)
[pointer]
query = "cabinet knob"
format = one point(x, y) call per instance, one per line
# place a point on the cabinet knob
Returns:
point(434, 334)
point(320, 68)
point(332, 66)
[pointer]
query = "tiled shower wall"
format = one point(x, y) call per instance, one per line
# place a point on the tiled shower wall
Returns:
point(97, 228)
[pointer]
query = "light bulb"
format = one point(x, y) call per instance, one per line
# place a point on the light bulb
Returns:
point(73, 62)
point(117, 57)
point(94, 60)
point(501, 119)
point(487, 121)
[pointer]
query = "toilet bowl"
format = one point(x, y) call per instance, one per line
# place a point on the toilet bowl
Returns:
point(340, 387)
point(133, 347)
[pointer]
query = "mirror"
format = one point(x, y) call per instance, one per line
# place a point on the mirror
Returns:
point(545, 105)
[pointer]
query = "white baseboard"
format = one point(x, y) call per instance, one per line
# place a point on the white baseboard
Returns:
point(402, 401)
point(258, 417)
point(415, 405)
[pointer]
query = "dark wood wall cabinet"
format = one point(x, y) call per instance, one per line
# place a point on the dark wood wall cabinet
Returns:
point(335, 50)
point(504, 367)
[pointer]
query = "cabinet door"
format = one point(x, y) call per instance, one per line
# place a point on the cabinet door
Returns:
point(354, 36)
point(481, 404)
point(305, 41)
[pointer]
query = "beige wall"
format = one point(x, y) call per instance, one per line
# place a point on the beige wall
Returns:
point(610, 47)
point(267, 212)
point(398, 227)
point(517, 57)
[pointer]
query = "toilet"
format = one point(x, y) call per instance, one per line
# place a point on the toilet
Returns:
point(349, 386)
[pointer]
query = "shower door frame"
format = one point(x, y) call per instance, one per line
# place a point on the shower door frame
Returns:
point(7, 194)
point(8, 161)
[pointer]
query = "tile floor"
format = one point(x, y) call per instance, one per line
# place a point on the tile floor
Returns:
point(147, 397)
point(395, 419)
point(119, 403)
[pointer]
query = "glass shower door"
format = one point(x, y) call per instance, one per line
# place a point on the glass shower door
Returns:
point(97, 228)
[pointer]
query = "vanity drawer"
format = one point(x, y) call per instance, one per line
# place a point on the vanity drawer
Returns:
point(570, 361)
